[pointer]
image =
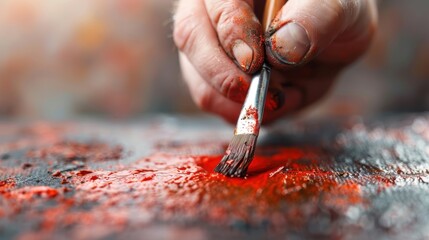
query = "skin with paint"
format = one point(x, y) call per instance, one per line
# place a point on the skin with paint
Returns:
point(222, 43)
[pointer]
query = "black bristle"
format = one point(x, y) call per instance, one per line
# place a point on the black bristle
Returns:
point(238, 156)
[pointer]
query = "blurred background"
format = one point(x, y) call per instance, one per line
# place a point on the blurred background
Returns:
point(63, 59)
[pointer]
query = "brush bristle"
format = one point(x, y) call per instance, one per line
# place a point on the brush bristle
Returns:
point(238, 156)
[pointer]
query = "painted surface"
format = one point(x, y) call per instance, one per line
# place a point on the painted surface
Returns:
point(338, 179)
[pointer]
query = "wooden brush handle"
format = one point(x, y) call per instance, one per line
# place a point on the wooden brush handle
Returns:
point(272, 7)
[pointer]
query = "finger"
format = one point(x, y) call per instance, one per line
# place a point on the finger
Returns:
point(205, 96)
point(208, 99)
point(352, 42)
point(239, 31)
point(305, 28)
point(287, 99)
point(300, 90)
point(195, 37)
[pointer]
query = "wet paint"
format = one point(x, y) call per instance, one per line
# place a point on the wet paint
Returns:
point(166, 187)
point(329, 189)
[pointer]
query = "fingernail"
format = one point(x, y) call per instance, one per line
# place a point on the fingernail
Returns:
point(275, 99)
point(243, 54)
point(290, 43)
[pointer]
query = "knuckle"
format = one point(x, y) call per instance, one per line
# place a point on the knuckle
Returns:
point(233, 87)
point(338, 7)
point(349, 9)
point(225, 86)
point(225, 20)
point(373, 17)
point(184, 32)
point(224, 12)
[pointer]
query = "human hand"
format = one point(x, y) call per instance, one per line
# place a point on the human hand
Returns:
point(222, 43)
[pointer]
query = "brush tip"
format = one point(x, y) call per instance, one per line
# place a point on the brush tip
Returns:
point(238, 156)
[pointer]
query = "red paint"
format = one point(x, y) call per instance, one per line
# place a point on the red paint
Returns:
point(83, 172)
point(271, 103)
point(238, 89)
point(28, 193)
point(274, 44)
point(252, 113)
point(6, 185)
point(251, 33)
point(285, 186)
point(26, 165)
point(169, 187)
point(187, 186)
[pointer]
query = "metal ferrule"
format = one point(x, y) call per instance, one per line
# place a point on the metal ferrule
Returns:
point(252, 112)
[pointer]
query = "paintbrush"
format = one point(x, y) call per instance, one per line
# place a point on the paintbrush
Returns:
point(241, 149)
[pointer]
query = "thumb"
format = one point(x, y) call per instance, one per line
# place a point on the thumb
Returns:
point(304, 29)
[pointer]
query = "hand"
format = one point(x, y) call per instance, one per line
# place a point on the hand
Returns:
point(222, 43)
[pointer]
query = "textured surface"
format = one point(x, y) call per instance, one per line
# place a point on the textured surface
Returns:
point(345, 179)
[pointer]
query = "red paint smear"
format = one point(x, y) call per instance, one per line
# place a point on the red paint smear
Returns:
point(83, 172)
point(28, 193)
point(171, 188)
point(6, 185)
point(242, 85)
point(274, 43)
point(273, 159)
point(283, 186)
point(252, 113)
point(188, 187)
point(168, 187)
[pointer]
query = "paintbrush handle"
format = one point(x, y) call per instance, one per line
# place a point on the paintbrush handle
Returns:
point(272, 7)
point(249, 121)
